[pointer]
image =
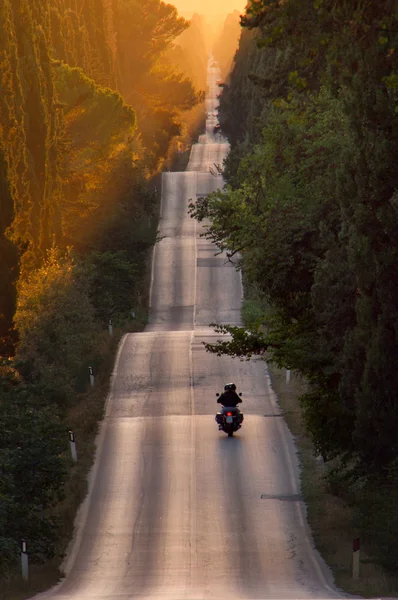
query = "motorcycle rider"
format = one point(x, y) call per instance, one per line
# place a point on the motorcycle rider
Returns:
point(229, 398)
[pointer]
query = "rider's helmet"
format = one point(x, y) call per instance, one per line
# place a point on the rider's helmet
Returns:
point(230, 386)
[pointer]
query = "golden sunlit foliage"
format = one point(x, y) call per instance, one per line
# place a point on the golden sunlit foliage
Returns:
point(97, 149)
point(146, 30)
point(70, 144)
point(30, 129)
point(80, 36)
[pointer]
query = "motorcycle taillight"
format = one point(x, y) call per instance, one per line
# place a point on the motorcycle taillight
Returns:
point(229, 414)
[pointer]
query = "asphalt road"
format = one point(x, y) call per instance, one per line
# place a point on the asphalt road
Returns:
point(176, 509)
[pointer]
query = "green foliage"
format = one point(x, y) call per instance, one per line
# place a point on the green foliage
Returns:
point(56, 326)
point(9, 547)
point(31, 445)
point(253, 315)
point(242, 101)
point(376, 515)
point(110, 279)
point(243, 343)
point(33, 471)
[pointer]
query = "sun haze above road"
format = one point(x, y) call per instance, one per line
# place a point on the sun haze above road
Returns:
point(208, 7)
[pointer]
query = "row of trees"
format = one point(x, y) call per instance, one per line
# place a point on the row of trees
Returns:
point(311, 204)
point(91, 98)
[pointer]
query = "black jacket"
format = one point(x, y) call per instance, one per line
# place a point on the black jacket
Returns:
point(229, 398)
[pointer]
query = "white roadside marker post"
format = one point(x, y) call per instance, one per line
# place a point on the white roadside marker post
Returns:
point(110, 328)
point(72, 442)
point(355, 558)
point(24, 560)
point(91, 373)
point(287, 376)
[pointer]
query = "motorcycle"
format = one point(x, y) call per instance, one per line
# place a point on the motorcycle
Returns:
point(229, 419)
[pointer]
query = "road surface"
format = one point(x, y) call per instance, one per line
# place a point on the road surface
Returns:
point(176, 509)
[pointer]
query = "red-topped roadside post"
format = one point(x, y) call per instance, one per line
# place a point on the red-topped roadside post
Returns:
point(355, 558)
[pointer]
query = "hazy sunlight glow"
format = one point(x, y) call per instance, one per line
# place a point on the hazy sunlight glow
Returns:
point(208, 7)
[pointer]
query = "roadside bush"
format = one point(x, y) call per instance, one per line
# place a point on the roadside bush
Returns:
point(253, 314)
point(9, 548)
point(377, 518)
point(110, 278)
point(33, 471)
point(56, 325)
